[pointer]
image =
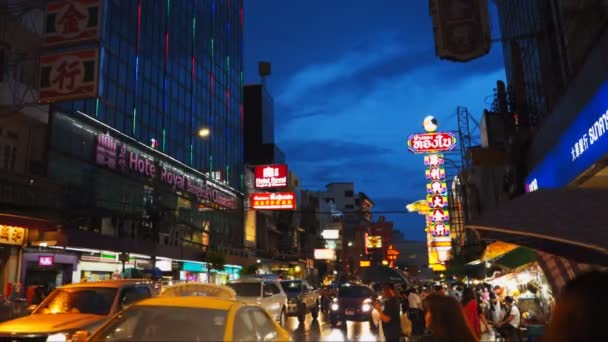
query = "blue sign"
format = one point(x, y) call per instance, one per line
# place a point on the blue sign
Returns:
point(580, 146)
point(194, 267)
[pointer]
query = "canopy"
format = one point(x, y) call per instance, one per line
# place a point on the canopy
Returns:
point(517, 257)
point(567, 223)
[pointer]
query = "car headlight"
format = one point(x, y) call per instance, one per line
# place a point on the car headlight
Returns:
point(58, 337)
point(335, 306)
point(366, 307)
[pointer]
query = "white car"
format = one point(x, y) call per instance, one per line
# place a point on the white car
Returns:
point(266, 293)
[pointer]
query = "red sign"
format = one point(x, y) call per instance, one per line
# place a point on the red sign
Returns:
point(271, 176)
point(69, 75)
point(72, 21)
point(392, 253)
point(274, 200)
point(431, 142)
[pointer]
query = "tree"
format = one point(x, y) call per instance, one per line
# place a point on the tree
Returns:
point(249, 270)
point(216, 260)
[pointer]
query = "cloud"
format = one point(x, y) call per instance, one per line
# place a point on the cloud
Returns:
point(319, 151)
point(358, 59)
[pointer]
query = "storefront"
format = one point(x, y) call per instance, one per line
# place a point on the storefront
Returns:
point(581, 154)
point(120, 188)
point(48, 268)
point(200, 272)
point(12, 238)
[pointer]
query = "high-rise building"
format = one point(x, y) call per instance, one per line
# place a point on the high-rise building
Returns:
point(168, 69)
point(144, 154)
point(260, 147)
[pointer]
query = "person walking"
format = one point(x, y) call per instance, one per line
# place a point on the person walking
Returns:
point(391, 315)
point(471, 311)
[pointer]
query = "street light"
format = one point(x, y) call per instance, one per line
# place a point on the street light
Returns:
point(204, 132)
point(350, 243)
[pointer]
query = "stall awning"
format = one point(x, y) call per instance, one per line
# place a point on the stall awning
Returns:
point(517, 257)
point(567, 223)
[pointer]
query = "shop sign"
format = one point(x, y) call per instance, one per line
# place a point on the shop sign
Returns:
point(330, 234)
point(581, 145)
point(435, 173)
point(68, 75)
point(437, 201)
point(46, 260)
point(373, 242)
point(365, 263)
point(431, 142)
point(325, 254)
point(434, 159)
point(440, 229)
point(194, 267)
point(11, 235)
point(392, 253)
point(437, 187)
point(270, 176)
point(116, 155)
point(71, 21)
point(274, 201)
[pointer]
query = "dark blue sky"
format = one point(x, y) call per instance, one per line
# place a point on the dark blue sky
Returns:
point(351, 80)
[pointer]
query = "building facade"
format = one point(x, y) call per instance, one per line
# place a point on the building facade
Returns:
point(126, 87)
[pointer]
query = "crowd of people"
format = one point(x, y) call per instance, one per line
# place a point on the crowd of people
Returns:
point(438, 315)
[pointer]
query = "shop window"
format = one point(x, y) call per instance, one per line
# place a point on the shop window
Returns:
point(348, 193)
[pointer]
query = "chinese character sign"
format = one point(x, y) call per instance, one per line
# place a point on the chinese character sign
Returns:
point(274, 201)
point(438, 231)
point(72, 21)
point(11, 235)
point(68, 75)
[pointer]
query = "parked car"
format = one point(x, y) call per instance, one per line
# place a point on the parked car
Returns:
point(190, 312)
point(265, 292)
point(76, 307)
point(301, 299)
point(353, 303)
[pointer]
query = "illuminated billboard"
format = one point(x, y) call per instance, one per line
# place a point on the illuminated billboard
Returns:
point(325, 254)
point(273, 201)
point(438, 231)
point(270, 176)
point(373, 242)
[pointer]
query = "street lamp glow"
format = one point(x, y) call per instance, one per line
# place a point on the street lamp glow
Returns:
point(204, 132)
point(258, 261)
point(350, 243)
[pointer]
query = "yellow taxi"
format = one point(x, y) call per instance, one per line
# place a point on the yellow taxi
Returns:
point(190, 313)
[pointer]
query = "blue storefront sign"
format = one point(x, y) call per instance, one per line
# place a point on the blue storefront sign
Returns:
point(580, 146)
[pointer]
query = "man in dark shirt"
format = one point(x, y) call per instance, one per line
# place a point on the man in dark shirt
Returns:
point(391, 315)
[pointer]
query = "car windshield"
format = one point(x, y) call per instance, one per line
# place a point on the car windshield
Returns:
point(292, 286)
point(84, 300)
point(354, 292)
point(164, 323)
point(247, 289)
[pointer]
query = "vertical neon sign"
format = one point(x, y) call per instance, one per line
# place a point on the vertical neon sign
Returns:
point(432, 145)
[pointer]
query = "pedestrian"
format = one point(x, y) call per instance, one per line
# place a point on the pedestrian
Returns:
point(471, 310)
point(509, 326)
point(580, 309)
point(445, 321)
point(391, 315)
point(415, 312)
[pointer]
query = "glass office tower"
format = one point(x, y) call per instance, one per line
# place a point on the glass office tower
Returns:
point(169, 68)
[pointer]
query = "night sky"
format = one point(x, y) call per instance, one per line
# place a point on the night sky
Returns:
point(351, 80)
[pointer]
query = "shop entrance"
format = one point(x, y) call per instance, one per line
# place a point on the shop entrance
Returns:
point(46, 277)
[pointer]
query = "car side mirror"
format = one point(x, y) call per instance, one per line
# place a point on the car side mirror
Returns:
point(31, 308)
point(80, 336)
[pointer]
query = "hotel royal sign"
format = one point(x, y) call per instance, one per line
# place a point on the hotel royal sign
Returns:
point(432, 145)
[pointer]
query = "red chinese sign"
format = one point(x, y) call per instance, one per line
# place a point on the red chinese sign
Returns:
point(271, 176)
point(431, 142)
point(69, 75)
point(392, 253)
point(72, 21)
point(274, 201)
